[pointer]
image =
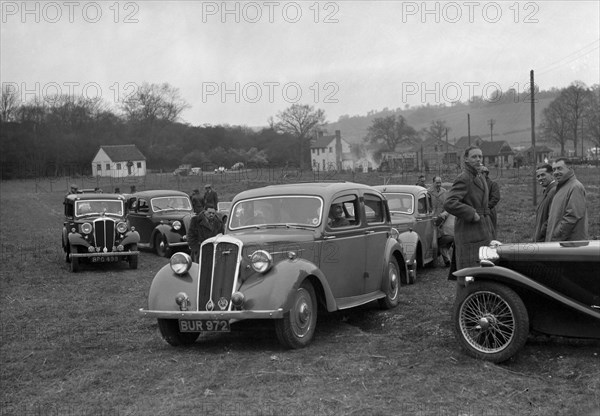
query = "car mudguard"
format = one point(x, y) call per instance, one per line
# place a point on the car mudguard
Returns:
point(132, 237)
point(394, 248)
point(76, 239)
point(409, 240)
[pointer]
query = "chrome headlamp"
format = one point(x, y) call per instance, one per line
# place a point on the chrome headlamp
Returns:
point(122, 227)
point(86, 228)
point(261, 261)
point(176, 225)
point(180, 263)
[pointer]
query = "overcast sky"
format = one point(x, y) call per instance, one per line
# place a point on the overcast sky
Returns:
point(242, 62)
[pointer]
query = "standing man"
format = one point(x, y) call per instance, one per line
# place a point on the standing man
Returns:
point(567, 219)
point(543, 174)
point(438, 195)
point(494, 196)
point(210, 197)
point(421, 181)
point(202, 226)
point(197, 201)
point(468, 201)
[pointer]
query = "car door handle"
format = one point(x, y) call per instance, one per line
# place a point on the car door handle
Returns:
point(369, 232)
point(329, 237)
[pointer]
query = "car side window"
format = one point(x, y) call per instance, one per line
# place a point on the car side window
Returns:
point(422, 205)
point(143, 205)
point(374, 209)
point(343, 212)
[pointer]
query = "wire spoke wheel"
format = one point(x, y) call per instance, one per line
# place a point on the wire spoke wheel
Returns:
point(491, 321)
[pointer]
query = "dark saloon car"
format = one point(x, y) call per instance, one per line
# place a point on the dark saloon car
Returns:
point(95, 230)
point(162, 218)
point(550, 288)
point(283, 258)
point(412, 212)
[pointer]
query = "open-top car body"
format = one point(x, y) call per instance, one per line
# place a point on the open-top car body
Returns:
point(162, 218)
point(95, 230)
point(551, 288)
point(412, 215)
point(281, 258)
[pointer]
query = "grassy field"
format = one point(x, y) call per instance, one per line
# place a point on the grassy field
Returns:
point(74, 344)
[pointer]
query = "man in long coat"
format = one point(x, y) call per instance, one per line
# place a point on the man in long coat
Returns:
point(567, 219)
point(543, 174)
point(468, 201)
point(202, 226)
point(494, 197)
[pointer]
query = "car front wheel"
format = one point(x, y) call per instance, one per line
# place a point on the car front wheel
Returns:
point(491, 321)
point(161, 245)
point(392, 286)
point(169, 329)
point(297, 328)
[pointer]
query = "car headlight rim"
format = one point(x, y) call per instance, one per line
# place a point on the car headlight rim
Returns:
point(180, 263)
point(261, 261)
point(176, 225)
point(86, 228)
point(122, 227)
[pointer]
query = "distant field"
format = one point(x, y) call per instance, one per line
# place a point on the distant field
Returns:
point(74, 344)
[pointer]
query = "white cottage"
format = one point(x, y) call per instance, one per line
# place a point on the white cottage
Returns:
point(330, 153)
point(119, 161)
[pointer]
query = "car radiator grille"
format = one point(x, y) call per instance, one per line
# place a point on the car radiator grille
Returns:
point(217, 274)
point(104, 234)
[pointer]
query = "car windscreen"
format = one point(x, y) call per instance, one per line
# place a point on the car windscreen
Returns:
point(277, 210)
point(98, 207)
point(171, 203)
point(401, 203)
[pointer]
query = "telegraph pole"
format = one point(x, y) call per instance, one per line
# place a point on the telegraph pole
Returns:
point(491, 122)
point(469, 127)
point(532, 89)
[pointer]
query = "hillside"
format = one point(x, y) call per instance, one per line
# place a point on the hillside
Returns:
point(512, 120)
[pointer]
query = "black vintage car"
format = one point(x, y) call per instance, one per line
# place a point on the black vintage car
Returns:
point(162, 218)
point(550, 288)
point(95, 230)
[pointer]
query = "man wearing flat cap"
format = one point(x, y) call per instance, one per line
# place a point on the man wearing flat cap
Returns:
point(210, 197)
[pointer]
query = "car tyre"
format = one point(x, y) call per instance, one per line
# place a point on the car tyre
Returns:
point(161, 246)
point(169, 329)
point(491, 321)
point(297, 328)
point(133, 259)
point(392, 286)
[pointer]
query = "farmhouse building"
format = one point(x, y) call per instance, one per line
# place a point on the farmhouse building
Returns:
point(542, 154)
point(330, 153)
point(119, 161)
point(431, 154)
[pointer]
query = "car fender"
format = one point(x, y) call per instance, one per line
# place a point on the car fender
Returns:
point(270, 291)
point(132, 237)
point(409, 240)
point(514, 279)
point(395, 249)
point(76, 239)
point(167, 231)
point(166, 285)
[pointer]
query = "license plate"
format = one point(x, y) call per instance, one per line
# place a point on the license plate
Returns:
point(194, 325)
point(102, 259)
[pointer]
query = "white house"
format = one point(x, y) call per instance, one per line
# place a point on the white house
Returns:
point(119, 161)
point(331, 153)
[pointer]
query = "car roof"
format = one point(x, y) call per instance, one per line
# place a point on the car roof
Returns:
point(158, 193)
point(409, 189)
point(324, 189)
point(93, 196)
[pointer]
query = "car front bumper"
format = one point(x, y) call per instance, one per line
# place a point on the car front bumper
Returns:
point(111, 254)
point(237, 315)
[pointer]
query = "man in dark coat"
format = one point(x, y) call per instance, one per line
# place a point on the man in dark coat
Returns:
point(567, 219)
point(197, 201)
point(494, 197)
point(210, 197)
point(543, 174)
point(468, 201)
point(202, 226)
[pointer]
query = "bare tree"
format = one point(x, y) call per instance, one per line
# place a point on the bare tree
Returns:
point(574, 98)
point(592, 116)
point(555, 124)
point(301, 122)
point(437, 130)
point(9, 101)
point(390, 131)
point(152, 102)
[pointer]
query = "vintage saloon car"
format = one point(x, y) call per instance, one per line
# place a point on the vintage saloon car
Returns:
point(412, 211)
point(162, 218)
point(281, 258)
point(95, 230)
point(550, 288)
